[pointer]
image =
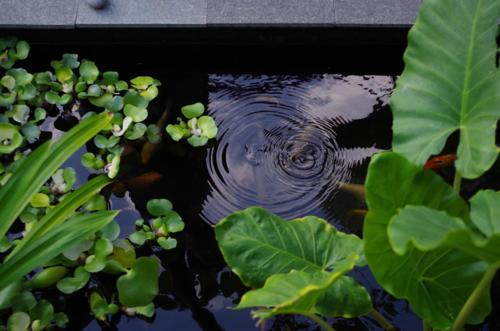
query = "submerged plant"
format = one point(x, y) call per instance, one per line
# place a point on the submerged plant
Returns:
point(198, 129)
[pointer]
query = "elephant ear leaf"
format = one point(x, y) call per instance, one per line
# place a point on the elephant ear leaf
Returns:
point(429, 229)
point(450, 82)
point(435, 279)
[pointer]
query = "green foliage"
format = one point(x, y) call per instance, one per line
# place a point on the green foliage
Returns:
point(165, 222)
point(451, 82)
point(299, 266)
point(139, 285)
point(198, 130)
point(441, 280)
point(421, 242)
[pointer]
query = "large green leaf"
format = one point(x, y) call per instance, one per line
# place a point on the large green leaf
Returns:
point(450, 82)
point(257, 244)
point(53, 243)
point(436, 283)
point(296, 292)
point(428, 229)
point(30, 175)
point(139, 286)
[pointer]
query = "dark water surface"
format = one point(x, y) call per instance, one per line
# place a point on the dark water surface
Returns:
point(286, 142)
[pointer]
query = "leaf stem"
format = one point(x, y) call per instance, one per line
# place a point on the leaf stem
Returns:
point(426, 326)
point(321, 322)
point(381, 320)
point(475, 296)
point(457, 181)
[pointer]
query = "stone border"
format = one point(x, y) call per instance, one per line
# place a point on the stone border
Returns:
point(78, 14)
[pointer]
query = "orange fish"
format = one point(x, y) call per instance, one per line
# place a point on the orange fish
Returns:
point(441, 161)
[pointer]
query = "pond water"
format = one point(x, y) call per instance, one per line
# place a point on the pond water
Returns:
point(285, 142)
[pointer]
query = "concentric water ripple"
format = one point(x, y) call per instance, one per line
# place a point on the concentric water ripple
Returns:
point(278, 140)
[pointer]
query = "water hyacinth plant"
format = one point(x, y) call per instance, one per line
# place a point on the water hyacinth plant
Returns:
point(199, 128)
point(69, 237)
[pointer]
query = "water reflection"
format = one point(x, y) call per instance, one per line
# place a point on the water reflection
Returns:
point(283, 144)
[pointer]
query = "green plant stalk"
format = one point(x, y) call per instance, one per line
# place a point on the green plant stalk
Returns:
point(381, 320)
point(63, 210)
point(426, 326)
point(476, 295)
point(457, 181)
point(320, 322)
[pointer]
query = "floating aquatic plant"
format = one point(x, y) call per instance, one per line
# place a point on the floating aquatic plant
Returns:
point(198, 130)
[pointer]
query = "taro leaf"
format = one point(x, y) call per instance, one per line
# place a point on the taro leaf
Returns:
point(257, 244)
point(89, 71)
point(450, 82)
point(194, 110)
point(436, 283)
point(428, 229)
point(18, 321)
point(72, 284)
point(140, 285)
point(295, 292)
point(167, 243)
point(159, 207)
point(345, 298)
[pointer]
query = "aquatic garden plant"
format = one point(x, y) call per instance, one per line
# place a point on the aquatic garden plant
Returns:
point(198, 130)
point(69, 236)
point(422, 240)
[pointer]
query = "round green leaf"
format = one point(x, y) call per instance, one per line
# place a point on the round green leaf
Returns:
point(136, 113)
point(140, 285)
point(22, 50)
point(109, 77)
point(97, 202)
point(31, 132)
point(40, 200)
point(207, 126)
point(89, 71)
point(136, 131)
point(194, 110)
point(142, 82)
point(138, 237)
point(8, 82)
point(176, 132)
point(197, 141)
point(159, 207)
point(167, 243)
point(72, 284)
point(64, 74)
point(173, 222)
point(10, 138)
point(18, 321)
point(48, 277)
point(24, 301)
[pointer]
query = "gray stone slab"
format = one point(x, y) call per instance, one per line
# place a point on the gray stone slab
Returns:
point(38, 13)
point(143, 13)
point(376, 12)
point(270, 12)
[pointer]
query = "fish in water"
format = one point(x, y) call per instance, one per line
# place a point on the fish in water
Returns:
point(440, 161)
